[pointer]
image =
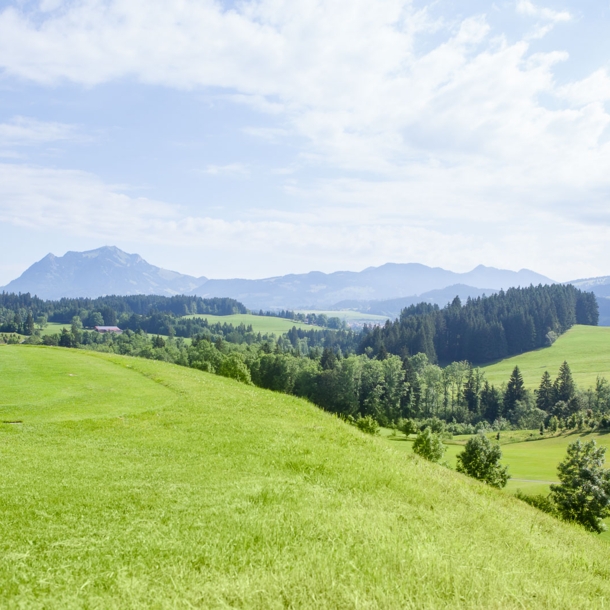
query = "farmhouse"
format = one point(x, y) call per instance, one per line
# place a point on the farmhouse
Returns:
point(108, 329)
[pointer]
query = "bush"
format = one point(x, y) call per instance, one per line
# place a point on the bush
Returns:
point(367, 424)
point(584, 493)
point(435, 424)
point(429, 446)
point(481, 460)
point(234, 367)
point(408, 426)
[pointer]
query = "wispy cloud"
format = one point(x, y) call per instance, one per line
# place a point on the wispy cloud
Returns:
point(526, 7)
point(230, 170)
point(26, 131)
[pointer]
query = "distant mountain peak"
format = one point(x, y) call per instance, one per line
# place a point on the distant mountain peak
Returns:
point(102, 271)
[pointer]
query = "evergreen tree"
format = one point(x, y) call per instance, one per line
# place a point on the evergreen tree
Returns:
point(545, 394)
point(28, 327)
point(491, 402)
point(471, 391)
point(563, 387)
point(515, 391)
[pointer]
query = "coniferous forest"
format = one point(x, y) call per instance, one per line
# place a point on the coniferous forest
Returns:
point(487, 328)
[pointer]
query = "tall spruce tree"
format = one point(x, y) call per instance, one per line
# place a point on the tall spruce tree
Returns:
point(563, 387)
point(491, 402)
point(545, 394)
point(515, 390)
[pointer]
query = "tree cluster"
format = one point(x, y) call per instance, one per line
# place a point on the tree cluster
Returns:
point(486, 328)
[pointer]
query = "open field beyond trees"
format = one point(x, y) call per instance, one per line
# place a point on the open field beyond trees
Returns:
point(260, 324)
point(586, 349)
point(132, 483)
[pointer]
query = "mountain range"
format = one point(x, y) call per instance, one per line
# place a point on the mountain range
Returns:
point(100, 272)
point(383, 290)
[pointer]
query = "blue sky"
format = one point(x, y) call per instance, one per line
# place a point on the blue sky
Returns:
point(260, 138)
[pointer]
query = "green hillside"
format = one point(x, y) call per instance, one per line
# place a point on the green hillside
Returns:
point(586, 348)
point(260, 324)
point(134, 483)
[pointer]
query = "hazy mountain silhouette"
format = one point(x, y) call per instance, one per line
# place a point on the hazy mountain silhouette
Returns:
point(390, 281)
point(109, 270)
point(100, 272)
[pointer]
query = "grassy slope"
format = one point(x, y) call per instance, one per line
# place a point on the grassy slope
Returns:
point(260, 324)
point(586, 348)
point(531, 464)
point(224, 495)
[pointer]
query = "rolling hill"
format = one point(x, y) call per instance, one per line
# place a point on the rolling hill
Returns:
point(134, 483)
point(586, 349)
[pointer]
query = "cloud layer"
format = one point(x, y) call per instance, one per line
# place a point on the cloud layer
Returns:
point(467, 146)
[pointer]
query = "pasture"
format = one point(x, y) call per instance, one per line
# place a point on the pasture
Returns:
point(134, 483)
point(260, 324)
point(586, 348)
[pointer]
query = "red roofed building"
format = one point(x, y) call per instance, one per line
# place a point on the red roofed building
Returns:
point(108, 329)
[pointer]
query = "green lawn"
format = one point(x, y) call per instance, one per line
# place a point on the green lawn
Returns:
point(133, 483)
point(260, 324)
point(586, 348)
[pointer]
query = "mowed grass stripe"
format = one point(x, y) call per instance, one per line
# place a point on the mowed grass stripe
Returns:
point(225, 495)
point(586, 349)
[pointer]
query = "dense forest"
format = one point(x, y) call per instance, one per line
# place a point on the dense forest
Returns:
point(129, 310)
point(486, 328)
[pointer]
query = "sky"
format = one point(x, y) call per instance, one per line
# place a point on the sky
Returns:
point(265, 137)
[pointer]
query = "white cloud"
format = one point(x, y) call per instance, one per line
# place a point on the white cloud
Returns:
point(349, 228)
point(526, 7)
point(452, 145)
point(25, 131)
point(231, 170)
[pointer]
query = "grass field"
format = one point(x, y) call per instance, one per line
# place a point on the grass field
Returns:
point(260, 324)
point(354, 317)
point(53, 328)
point(133, 483)
point(532, 464)
point(586, 348)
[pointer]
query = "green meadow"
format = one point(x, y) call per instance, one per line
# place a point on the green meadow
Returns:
point(532, 463)
point(349, 316)
point(586, 348)
point(260, 324)
point(134, 483)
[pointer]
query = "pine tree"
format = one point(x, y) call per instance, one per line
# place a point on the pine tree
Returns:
point(545, 394)
point(515, 390)
point(563, 387)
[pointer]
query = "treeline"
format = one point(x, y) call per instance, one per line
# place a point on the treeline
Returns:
point(486, 328)
point(315, 319)
point(390, 390)
point(15, 309)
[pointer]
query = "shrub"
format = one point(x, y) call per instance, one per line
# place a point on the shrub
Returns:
point(429, 446)
point(481, 460)
point(367, 424)
point(407, 427)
